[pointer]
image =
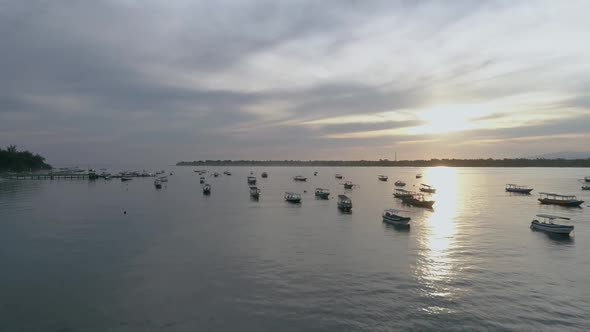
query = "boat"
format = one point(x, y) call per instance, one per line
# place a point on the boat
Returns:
point(401, 193)
point(264, 175)
point(344, 203)
point(392, 216)
point(163, 178)
point(315, 173)
point(206, 189)
point(322, 193)
point(300, 178)
point(516, 188)
point(382, 177)
point(292, 197)
point(348, 185)
point(338, 176)
point(227, 173)
point(546, 224)
point(202, 179)
point(425, 188)
point(215, 174)
point(171, 173)
point(251, 180)
point(587, 178)
point(417, 200)
point(399, 183)
point(158, 184)
point(557, 199)
point(418, 176)
point(254, 192)
point(585, 187)
point(126, 178)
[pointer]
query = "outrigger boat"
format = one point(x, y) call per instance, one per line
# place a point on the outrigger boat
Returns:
point(338, 176)
point(547, 225)
point(344, 203)
point(391, 216)
point(264, 175)
point(425, 188)
point(322, 193)
point(254, 192)
point(300, 178)
point(399, 183)
point(382, 177)
point(206, 189)
point(292, 197)
point(202, 180)
point(557, 199)
point(515, 188)
point(251, 180)
point(401, 193)
point(417, 200)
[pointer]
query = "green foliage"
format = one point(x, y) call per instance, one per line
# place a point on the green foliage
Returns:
point(12, 160)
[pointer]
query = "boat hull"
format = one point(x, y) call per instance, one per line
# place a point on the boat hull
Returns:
point(568, 203)
point(397, 221)
point(322, 195)
point(430, 191)
point(552, 228)
point(418, 203)
point(519, 191)
point(293, 200)
point(345, 208)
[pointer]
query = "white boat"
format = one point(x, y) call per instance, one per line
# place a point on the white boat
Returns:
point(292, 197)
point(425, 188)
point(399, 183)
point(382, 177)
point(344, 203)
point(251, 180)
point(391, 216)
point(300, 178)
point(546, 224)
point(254, 192)
point(519, 189)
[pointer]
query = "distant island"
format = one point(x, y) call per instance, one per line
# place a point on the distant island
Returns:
point(519, 162)
point(12, 160)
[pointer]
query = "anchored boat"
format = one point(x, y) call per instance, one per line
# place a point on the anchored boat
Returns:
point(292, 197)
point(425, 188)
point(417, 200)
point(547, 225)
point(399, 183)
point(382, 177)
point(264, 175)
point(391, 216)
point(344, 203)
point(322, 193)
point(254, 192)
point(401, 193)
point(202, 179)
point(300, 178)
point(206, 189)
point(251, 180)
point(586, 187)
point(338, 176)
point(557, 199)
point(348, 184)
point(227, 173)
point(419, 176)
point(520, 189)
point(587, 178)
point(158, 184)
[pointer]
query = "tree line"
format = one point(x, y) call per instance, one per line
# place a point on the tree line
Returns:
point(12, 160)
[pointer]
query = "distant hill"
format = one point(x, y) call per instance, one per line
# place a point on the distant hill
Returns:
point(565, 155)
point(12, 160)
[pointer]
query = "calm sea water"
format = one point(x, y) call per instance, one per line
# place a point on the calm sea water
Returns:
point(180, 261)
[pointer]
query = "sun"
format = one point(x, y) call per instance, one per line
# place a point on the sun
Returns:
point(441, 120)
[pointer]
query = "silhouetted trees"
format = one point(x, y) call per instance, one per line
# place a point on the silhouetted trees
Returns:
point(12, 160)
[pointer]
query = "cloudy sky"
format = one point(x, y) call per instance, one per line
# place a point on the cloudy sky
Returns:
point(162, 81)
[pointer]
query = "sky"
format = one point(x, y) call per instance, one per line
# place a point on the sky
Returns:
point(164, 81)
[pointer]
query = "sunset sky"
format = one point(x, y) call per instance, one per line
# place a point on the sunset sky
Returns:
point(163, 81)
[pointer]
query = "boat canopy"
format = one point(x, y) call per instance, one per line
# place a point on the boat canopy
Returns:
point(559, 195)
point(289, 193)
point(548, 216)
point(343, 198)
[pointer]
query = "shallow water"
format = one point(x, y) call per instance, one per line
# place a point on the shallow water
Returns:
point(181, 261)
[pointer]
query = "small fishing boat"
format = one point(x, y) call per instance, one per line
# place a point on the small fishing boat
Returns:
point(547, 225)
point(399, 183)
point(264, 175)
point(586, 187)
point(519, 189)
point(322, 193)
point(171, 173)
point(215, 174)
point(292, 197)
point(338, 176)
point(158, 184)
point(587, 178)
point(419, 176)
point(300, 178)
point(206, 189)
point(251, 180)
point(348, 184)
point(202, 180)
point(557, 199)
point(401, 193)
point(126, 178)
point(382, 177)
point(227, 173)
point(418, 201)
point(254, 192)
point(425, 188)
point(315, 173)
point(392, 216)
point(344, 203)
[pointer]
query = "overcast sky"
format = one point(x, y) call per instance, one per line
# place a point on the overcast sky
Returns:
point(163, 81)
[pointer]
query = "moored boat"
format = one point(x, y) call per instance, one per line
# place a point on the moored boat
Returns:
point(425, 188)
point(587, 178)
point(251, 180)
point(315, 173)
point(557, 199)
point(158, 184)
point(392, 216)
point(322, 193)
point(126, 178)
point(547, 225)
point(586, 187)
point(300, 178)
point(519, 189)
point(348, 184)
point(163, 179)
point(382, 177)
point(401, 193)
point(338, 176)
point(399, 183)
point(254, 192)
point(292, 197)
point(344, 203)
point(206, 189)
point(202, 180)
point(227, 173)
point(419, 176)
point(418, 201)
point(215, 174)
point(264, 175)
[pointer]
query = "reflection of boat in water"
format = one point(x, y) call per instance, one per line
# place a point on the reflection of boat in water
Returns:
point(338, 176)
point(382, 177)
point(322, 193)
point(254, 192)
point(251, 180)
point(206, 189)
point(547, 225)
point(300, 178)
point(292, 197)
point(392, 216)
point(399, 183)
point(519, 189)
point(417, 200)
point(344, 203)
point(557, 199)
point(425, 188)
